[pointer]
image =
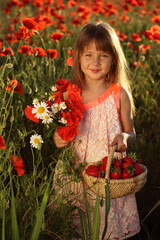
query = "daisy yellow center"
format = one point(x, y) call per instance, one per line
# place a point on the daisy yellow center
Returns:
point(36, 140)
point(41, 110)
point(46, 117)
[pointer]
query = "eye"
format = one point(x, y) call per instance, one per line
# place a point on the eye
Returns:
point(104, 55)
point(88, 55)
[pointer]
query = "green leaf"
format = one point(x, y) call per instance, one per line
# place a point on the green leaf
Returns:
point(96, 219)
point(83, 224)
point(88, 216)
point(107, 208)
point(3, 224)
point(40, 214)
point(15, 230)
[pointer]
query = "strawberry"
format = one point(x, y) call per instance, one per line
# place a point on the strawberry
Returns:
point(117, 162)
point(115, 172)
point(93, 170)
point(126, 164)
point(138, 168)
point(126, 173)
point(104, 160)
point(103, 165)
point(127, 159)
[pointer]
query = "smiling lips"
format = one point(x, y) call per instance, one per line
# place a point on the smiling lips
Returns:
point(95, 70)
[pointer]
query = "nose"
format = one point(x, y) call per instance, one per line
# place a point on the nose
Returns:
point(96, 60)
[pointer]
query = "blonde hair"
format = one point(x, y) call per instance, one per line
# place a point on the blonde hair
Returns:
point(107, 40)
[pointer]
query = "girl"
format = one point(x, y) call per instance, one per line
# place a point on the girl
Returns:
point(100, 69)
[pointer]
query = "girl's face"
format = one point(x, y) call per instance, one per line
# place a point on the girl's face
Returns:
point(95, 64)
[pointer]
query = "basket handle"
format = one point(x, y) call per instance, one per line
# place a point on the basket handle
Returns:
point(109, 161)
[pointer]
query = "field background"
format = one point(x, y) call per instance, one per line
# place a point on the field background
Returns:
point(138, 26)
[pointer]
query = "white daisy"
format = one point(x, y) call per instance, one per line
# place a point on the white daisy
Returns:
point(36, 141)
point(47, 119)
point(63, 120)
point(51, 97)
point(35, 101)
point(40, 109)
point(62, 105)
point(55, 108)
point(54, 89)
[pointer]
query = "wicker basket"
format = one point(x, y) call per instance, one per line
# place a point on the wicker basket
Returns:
point(118, 187)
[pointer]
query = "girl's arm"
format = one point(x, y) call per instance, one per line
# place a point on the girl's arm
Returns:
point(128, 135)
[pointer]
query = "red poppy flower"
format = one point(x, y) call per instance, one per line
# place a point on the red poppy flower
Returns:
point(2, 143)
point(57, 36)
point(17, 86)
point(53, 53)
point(6, 51)
point(70, 51)
point(62, 84)
point(24, 34)
point(17, 164)
point(38, 51)
point(69, 61)
point(25, 49)
point(30, 115)
point(156, 19)
point(136, 37)
point(121, 36)
point(67, 133)
point(71, 3)
point(30, 23)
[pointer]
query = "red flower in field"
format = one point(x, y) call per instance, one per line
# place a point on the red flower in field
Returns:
point(30, 115)
point(17, 164)
point(142, 48)
point(130, 45)
point(24, 34)
point(38, 51)
point(135, 64)
point(25, 49)
point(53, 53)
point(71, 3)
point(70, 51)
point(76, 21)
point(136, 37)
point(153, 33)
point(156, 19)
point(67, 133)
point(2, 143)
point(69, 61)
point(125, 18)
point(15, 86)
point(30, 24)
point(121, 36)
point(6, 51)
point(11, 38)
point(57, 36)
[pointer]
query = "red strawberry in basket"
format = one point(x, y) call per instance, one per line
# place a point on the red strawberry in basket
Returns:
point(115, 172)
point(93, 170)
point(117, 162)
point(138, 168)
point(126, 173)
point(127, 159)
point(126, 165)
point(103, 165)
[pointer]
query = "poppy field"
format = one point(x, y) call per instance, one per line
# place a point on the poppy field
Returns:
point(36, 49)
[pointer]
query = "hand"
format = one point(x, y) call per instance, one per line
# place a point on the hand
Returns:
point(121, 142)
point(59, 142)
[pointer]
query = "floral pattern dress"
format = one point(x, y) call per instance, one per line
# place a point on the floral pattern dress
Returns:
point(100, 124)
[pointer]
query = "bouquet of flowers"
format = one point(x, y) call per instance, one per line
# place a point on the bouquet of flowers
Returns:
point(63, 107)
